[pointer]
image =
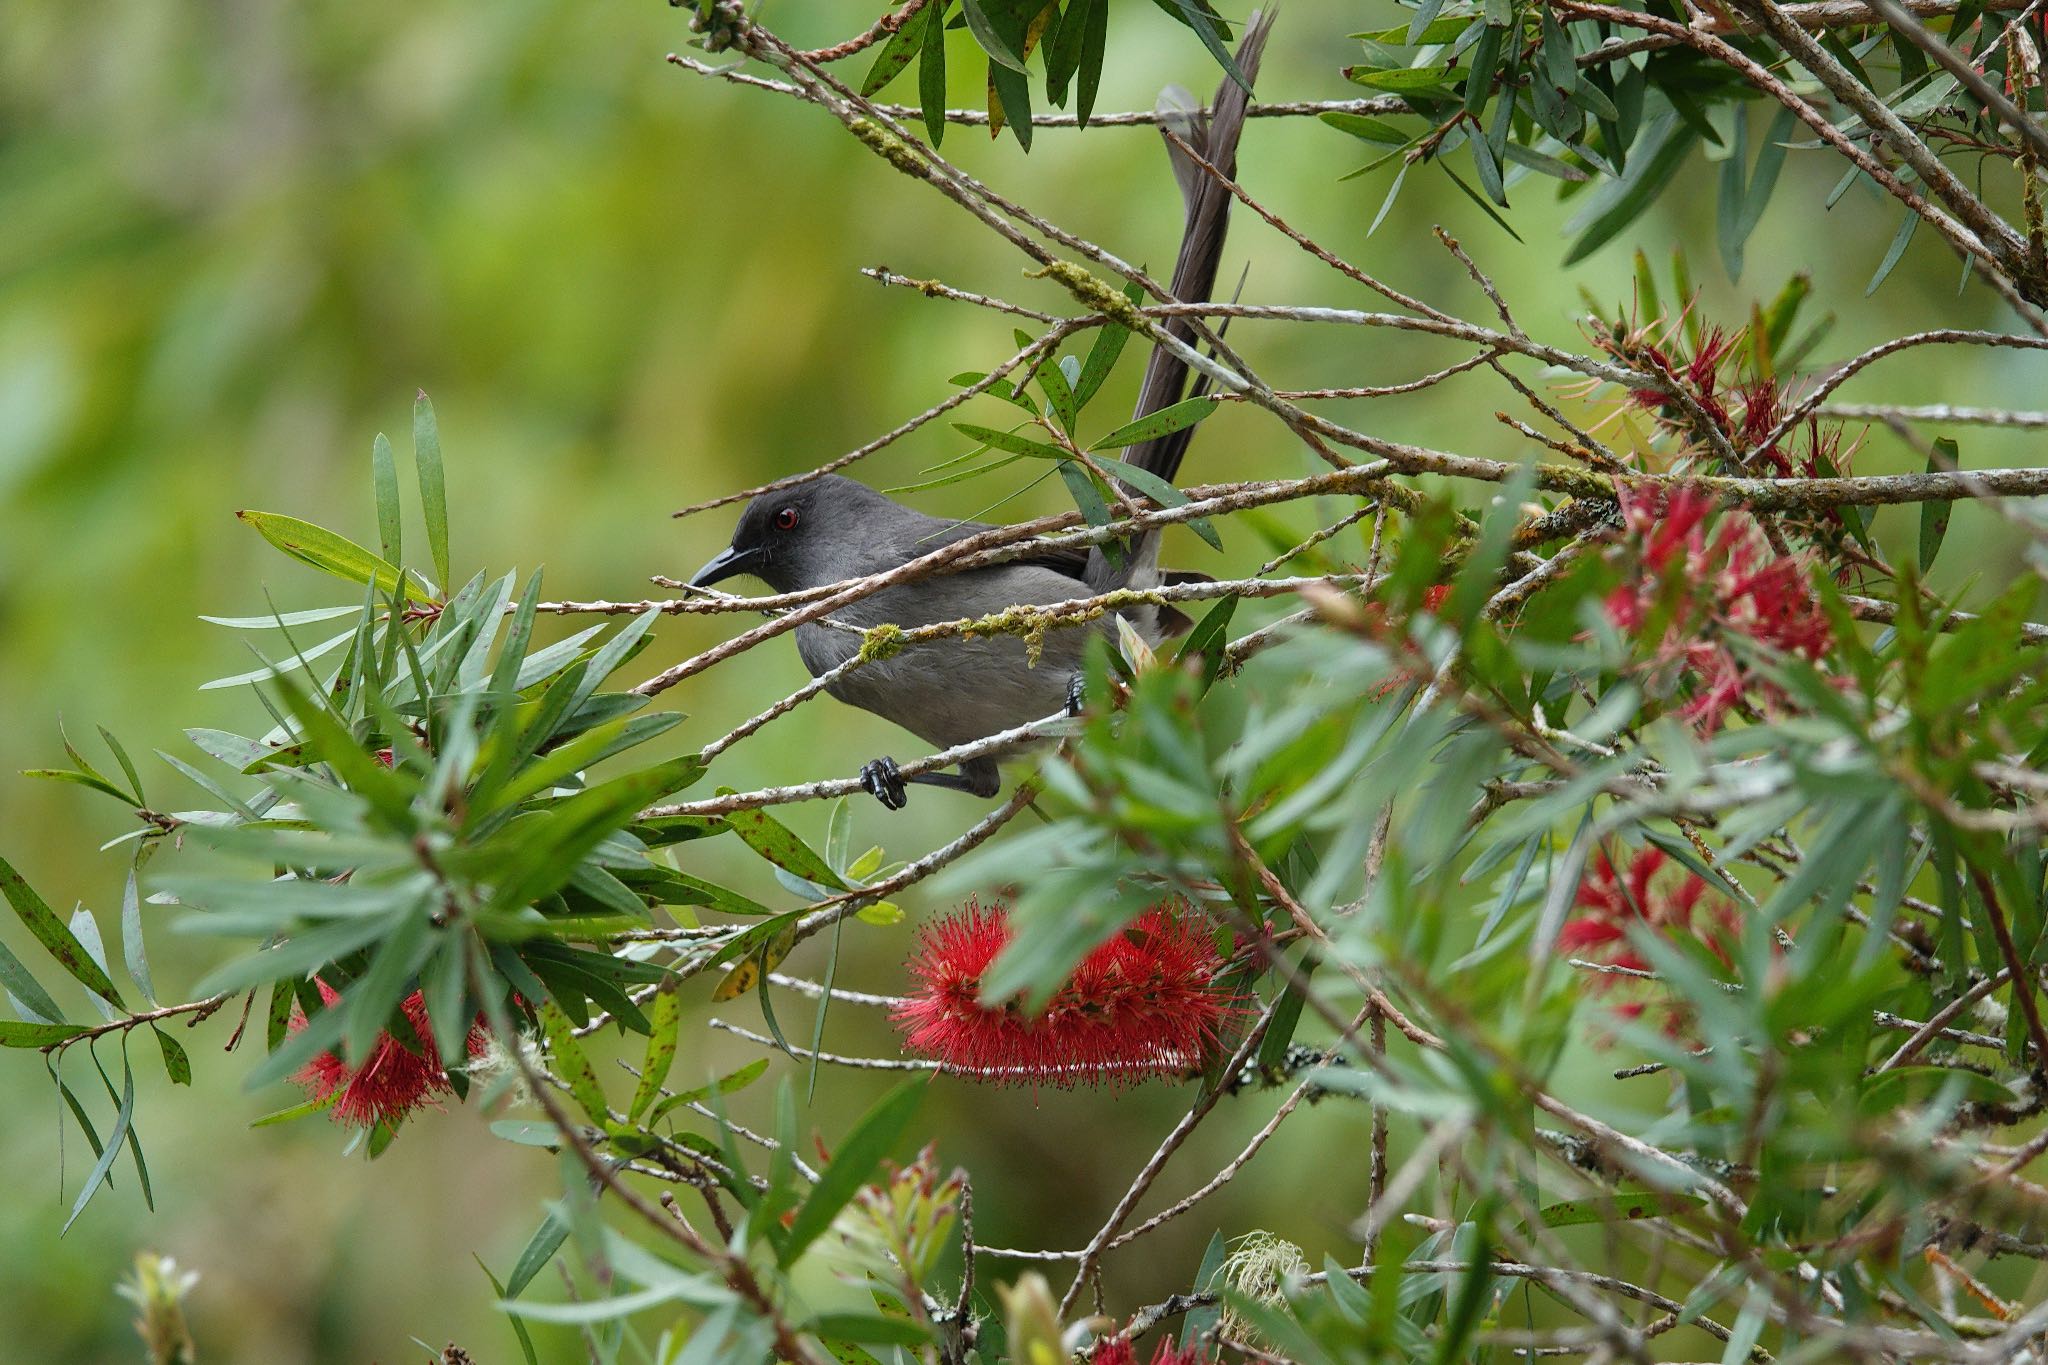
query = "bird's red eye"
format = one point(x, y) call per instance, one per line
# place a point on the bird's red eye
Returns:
point(785, 520)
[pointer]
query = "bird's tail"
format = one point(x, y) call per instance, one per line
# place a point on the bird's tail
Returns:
point(1214, 137)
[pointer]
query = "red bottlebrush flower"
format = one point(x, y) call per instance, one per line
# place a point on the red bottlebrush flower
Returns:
point(1146, 1003)
point(1676, 908)
point(1376, 614)
point(393, 1081)
point(1119, 1351)
point(1727, 584)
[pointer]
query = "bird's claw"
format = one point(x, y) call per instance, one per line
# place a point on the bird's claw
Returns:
point(884, 781)
point(1077, 696)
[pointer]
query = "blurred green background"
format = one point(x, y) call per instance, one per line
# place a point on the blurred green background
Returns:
point(238, 236)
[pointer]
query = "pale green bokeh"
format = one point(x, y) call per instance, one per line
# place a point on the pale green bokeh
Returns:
point(238, 237)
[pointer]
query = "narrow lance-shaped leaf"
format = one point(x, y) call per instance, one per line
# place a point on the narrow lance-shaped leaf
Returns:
point(119, 1134)
point(1174, 417)
point(1010, 441)
point(426, 455)
point(775, 841)
point(16, 1034)
point(858, 1156)
point(1161, 492)
point(991, 39)
point(132, 951)
point(571, 1063)
point(326, 551)
point(59, 941)
point(176, 1064)
point(384, 474)
point(931, 75)
point(903, 44)
point(1094, 46)
point(665, 1021)
point(1935, 513)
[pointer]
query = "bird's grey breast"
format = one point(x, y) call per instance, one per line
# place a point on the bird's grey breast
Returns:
point(954, 689)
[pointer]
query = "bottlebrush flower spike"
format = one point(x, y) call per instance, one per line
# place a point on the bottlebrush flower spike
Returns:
point(1610, 900)
point(1146, 1003)
point(1119, 1351)
point(392, 1082)
point(1728, 583)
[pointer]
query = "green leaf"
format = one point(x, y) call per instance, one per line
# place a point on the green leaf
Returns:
point(1425, 16)
point(988, 36)
point(543, 853)
point(1202, 1319)
point(1063, 51)
point(322, 1033)
point(1438, 31)
point(13, 1034)
point(132, 951)
point(547, 1239)
point(176, 1064)
point(868, 1329)
point(55, 938)
point(298, 659)
point(281, 620)
point(775, 842)
point(92, 780)
point(1086, 490)
point(856, 1159)
point(1728, 230)
point(1894, 252)
point(1480, 200)
point(1010, 441)
point(115, 1137)
point(665, 1023)
point(291, 1113)
point(1371, 129)
point(426, 457)
point(518, 1327)
point(1653, 166)
point(1161, 492)
point(1174, 417)
point(1934, 514)
point(1102, 355)
point(384, 474)
point(1560, 57)
point(1197, 15)
point(724, 1085)
point(1485, 60)
point(571, 1063)
point(372, 1000)
point(330, 553)
point(1094, 46)
point(1053, 384)
point(1401, 80)
point(903, 44)
point(1619, 1206)
point(931, 75)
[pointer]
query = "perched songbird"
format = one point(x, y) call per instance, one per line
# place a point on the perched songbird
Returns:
point(953, 691)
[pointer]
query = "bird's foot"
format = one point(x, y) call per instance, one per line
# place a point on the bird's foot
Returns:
point(1077, 696)
point(884, 781)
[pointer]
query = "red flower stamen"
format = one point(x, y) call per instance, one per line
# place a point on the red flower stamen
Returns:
point(392, 1081)
point(1119, 1351)
point(1728, 584)
point(1146, 1003)
point(1674, 908)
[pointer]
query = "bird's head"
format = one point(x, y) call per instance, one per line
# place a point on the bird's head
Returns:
point(796, 538)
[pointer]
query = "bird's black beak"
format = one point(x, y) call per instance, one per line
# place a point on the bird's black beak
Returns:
point(727, 563)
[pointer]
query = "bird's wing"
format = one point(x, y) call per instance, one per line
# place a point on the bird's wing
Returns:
point(1068, 560)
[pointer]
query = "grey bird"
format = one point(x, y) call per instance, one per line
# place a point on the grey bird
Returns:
point(953, 691)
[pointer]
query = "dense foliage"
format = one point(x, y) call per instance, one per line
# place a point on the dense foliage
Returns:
point(1648, 743)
